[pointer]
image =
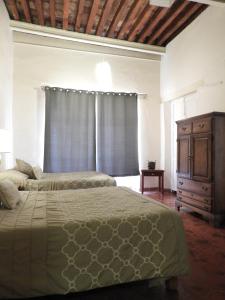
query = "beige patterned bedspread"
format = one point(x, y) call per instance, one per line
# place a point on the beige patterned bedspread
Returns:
point(58, 242)
point(65, 181)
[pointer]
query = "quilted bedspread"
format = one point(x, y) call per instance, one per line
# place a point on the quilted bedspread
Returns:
point(65, 181)
point(58, 242)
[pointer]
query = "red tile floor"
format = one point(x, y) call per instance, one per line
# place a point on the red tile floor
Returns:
point(207, 255)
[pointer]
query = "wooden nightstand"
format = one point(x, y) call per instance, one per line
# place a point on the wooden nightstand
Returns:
point(157, 173)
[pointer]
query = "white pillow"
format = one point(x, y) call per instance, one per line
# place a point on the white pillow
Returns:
point(25, 168)
point(37, 172)
point(18, 178)
point(9, 194)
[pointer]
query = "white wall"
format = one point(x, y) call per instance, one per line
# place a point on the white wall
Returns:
point(195, 60)
point(6, 70)
point(197, 55)
point(40, 65)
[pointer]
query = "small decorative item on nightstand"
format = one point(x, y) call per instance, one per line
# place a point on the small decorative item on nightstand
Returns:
point(151, 165)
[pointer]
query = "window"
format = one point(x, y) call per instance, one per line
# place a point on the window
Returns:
point(91, 131)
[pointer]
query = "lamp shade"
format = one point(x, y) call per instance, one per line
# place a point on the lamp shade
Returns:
point(5, 145)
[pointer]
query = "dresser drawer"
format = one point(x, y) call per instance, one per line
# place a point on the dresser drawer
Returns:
point(184, 128)
point(194, 203)
point(203, 199)
point(204, 189)
point(202, 125)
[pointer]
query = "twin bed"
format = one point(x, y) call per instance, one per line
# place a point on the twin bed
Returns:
point(58, 181)
point(63, 241)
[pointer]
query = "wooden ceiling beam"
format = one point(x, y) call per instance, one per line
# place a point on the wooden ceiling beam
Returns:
point(39, 8)
point(66, 5)
point(135, 9)
point(91, 19)
point(168, 22)
point(13, 9)
point(79, 15)
point(105, 15)
point(188, 14)
point(185, 24)
point(150, 27)
point(121, 11)
point(141, 21)
point(134, 20)
point(26, 10)
point(52, 12)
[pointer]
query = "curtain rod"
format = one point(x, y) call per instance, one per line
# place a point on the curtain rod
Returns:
point(43, 87)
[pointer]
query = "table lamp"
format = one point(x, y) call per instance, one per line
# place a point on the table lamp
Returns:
point(5, 146)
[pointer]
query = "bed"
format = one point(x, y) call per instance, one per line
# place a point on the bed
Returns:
point(59, 242)
point(65, 181)
point(58, 181)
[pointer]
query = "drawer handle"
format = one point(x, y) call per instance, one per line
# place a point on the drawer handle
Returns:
point(206, 200)
point(201, 125)
point(180, 192)
point(206, 208)
point(184, 128)
point(181, 182)
point(204, 188)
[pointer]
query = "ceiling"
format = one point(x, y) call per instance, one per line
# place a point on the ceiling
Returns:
point(130, 20)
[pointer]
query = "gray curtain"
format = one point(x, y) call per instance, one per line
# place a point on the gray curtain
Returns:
point(69, 131)
point(116, 134)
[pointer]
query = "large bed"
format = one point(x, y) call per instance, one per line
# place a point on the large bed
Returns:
point(58, 181)
point(58, 242)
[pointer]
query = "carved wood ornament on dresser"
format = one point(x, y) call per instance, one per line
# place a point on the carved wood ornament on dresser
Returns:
point(201, 166)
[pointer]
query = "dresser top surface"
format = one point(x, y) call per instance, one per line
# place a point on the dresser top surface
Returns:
point(212, 114)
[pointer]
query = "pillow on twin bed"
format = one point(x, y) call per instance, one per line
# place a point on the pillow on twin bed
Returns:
point(9, 194)
point(25, 168)
point(15, 176)
point(37, 172)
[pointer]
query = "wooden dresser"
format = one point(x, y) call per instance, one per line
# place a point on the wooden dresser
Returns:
point(201, 165)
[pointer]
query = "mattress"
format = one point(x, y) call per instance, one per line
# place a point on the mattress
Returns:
point(65, 181)
point(58, 242)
